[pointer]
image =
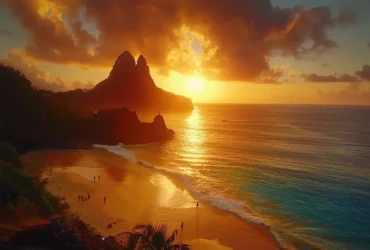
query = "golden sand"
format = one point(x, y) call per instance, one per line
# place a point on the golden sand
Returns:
point(137, 195)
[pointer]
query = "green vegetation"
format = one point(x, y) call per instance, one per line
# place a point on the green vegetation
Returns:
point(27, 119)
point(150, 237)
point(9, 155)
point(31, 121)
point(21, 195)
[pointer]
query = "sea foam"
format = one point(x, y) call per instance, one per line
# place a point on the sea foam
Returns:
point(214, 198)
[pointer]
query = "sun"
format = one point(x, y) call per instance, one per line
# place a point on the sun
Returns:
point(194, 84)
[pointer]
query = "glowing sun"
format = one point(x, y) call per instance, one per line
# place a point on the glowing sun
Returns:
point(194, 84)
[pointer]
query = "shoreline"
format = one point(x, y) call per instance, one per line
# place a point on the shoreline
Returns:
point(136, 194)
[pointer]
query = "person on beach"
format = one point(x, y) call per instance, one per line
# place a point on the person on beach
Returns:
point(99, 178)
point(88, 197)
point(197, 204)
point(105, 199)
point(182, 226)
point(94, 178)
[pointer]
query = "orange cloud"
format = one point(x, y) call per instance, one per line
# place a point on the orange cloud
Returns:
point(238, 36)
point(40, 78)
point(272, 76)
point(354, 94)
point(293, 73)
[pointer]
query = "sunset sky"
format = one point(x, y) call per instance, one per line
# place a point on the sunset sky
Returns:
point(234, 51)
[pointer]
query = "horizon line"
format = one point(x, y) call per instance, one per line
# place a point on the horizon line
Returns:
point(285, 104)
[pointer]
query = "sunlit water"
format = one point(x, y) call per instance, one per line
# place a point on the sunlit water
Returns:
point(302, 170)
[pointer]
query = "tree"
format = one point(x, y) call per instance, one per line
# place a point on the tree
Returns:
point(18, 188)
point(9, 155)
point(148, 237)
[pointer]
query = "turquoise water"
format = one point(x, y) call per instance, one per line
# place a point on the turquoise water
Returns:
point(302, 170)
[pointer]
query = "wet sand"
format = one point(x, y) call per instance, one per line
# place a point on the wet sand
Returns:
point(138, 195)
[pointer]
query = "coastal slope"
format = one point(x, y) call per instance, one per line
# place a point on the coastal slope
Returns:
point(30, 122)
point(129, 84)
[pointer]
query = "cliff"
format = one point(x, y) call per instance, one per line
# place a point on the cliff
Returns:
point(117, 126)
point(29, 121)
point(129, 84)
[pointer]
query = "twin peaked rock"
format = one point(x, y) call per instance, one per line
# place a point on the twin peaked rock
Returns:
point(125, 64)
point(129, 85)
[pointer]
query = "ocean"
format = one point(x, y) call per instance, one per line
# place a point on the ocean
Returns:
point(302, 170)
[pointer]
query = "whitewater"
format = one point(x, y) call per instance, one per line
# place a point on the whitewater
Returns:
point(301, 171)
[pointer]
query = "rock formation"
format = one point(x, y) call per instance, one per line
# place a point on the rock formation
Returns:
point(129, 85)
point(30, 122)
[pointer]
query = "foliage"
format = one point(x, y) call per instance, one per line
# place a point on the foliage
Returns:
point(27, 120)
point(150, 237)
point(9, 155)
point(17, 189)
point(30, 120)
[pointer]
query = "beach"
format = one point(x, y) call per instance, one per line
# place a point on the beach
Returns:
point(139, 195)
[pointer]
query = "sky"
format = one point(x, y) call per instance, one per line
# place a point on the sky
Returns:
point(235, 51)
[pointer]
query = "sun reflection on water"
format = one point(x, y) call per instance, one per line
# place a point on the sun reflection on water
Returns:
point(193, 150)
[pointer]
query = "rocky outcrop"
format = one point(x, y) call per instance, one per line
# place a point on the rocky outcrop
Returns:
point(119, 126)
point(129, 84)
point(124, 66)
point(30, 122)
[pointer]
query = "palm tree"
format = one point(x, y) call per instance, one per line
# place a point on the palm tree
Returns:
point(149, 237)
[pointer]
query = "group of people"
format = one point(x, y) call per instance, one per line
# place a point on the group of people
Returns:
point(98, 178)
point(83, 198)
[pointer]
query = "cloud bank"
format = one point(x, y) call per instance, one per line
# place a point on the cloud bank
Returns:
point(329, 78)
point(359, 75)
point(238, 36)
point(40, 78)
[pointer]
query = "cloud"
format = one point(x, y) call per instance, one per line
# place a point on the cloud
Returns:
point(238, 36)
point(49, 36)
point(6, 32)
point(329, 78)
point(306, 33)
point(293, 73)
point(39, 78)
point(325, 65)
point(272, 76)
point(364, 73)
point(354, 94)
point(347, 16)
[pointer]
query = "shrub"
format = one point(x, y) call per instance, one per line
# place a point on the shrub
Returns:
point(9, 155)
point(18, 188)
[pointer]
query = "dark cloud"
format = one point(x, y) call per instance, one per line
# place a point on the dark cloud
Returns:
point(49, 37)
point(306, 33)
point(40, 78)
point(347, 16)
point(329, 78)
point(364, 73)
point(238, 35)
point(5, 32)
